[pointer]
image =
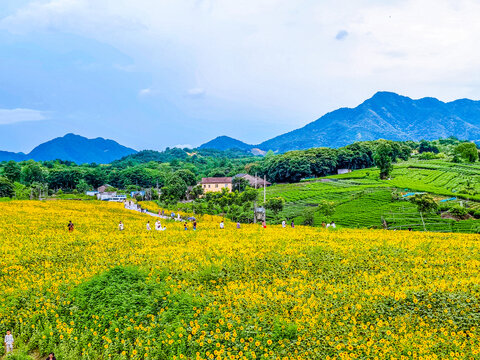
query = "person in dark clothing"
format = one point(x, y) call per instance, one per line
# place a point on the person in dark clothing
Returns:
point(70, 226)
point(51, 356)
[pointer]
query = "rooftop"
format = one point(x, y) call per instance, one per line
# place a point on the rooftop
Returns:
point(217, 180)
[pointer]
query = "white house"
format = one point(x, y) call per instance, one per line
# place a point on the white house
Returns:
point(106, 195)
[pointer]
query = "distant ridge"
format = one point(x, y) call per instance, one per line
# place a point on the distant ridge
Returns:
point(226, 143)
point(74, 148)
point(386, 115)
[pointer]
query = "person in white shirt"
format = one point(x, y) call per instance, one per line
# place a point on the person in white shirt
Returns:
point(158, 226)
point(333, 225)
point(148, 225)
point(284, 224)
point(222, 225)
point(328, 225)
point(9, 342)
point(120, 226)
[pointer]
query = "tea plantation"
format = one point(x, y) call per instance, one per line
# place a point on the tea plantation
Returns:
point(360, 199)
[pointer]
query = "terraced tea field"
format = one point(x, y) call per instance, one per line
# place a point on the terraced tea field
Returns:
point(362, 200)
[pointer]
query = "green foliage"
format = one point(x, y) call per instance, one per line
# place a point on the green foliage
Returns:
point(458, 211)
point(467, 151)
point(309, 217)
point(427, 156)
point(383, 159)
point(275, 204)
point(187, 176)
point(12, 171)
point(6, 187)
point(424, 202)
point(239, 183)
point(326, 208)
point(426, 146)
point(174, 189)
point(32, 172)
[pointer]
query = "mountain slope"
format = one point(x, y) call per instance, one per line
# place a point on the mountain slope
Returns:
point(389, 116)
point(74, 148)
point(225, 143)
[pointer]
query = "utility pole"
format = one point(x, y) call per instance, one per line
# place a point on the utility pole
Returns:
point(264, 197)
point(255, 203)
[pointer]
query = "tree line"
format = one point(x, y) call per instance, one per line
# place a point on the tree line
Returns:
point(175, 172)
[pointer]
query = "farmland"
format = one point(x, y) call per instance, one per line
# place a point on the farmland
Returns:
point(248, 293)
point(361, 199)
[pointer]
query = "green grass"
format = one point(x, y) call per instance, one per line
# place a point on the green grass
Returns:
point(363, 200)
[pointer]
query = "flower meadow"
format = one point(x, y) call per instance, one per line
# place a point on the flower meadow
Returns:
point(249, 293)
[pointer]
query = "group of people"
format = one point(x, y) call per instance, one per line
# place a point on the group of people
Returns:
point(9, 345)
point(329, 225)
point(157, 226)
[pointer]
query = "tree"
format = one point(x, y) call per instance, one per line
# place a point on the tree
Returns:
point(239, 183)
point(383, 159)
point(174, 189)
point(83, 186)
point(275, 204)
point(187, 176)
point(425, 203)
point(309, 217)
point(12, 171)
point(196, 192)
point(6, 187)
point(32, 172)
point(468, 151)
point(426, 146)
point(326, 208)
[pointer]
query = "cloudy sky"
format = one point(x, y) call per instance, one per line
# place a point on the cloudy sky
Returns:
point(152, 74)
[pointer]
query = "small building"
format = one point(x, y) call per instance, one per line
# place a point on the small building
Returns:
point(91, 193)
point(118, 198)
point(254, 181)
point(106, 196)
point(343, 171)
point(216, 184)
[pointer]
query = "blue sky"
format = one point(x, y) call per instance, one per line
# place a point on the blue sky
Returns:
point(151, 74)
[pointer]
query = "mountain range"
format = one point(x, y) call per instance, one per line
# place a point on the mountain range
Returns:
point(74, 148)
point(386, 115)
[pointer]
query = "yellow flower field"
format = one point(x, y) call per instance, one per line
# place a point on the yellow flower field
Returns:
point(249, 293)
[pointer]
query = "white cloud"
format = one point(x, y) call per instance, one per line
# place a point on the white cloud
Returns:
point(183, 146)
point(145, 92)
point(196, 92)
point(278, 53)
point(11, 116)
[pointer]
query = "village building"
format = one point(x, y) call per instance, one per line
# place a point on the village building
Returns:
point(216, 184)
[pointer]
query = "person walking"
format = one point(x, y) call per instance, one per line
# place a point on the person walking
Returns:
point(120, 226)
point(222, 225)
point(70, 226)
point(194, 225)
point(8, 342)
point(148, 226)
point(284, 224)
point(292, 224)
point(264, 224)
point(185, 226)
